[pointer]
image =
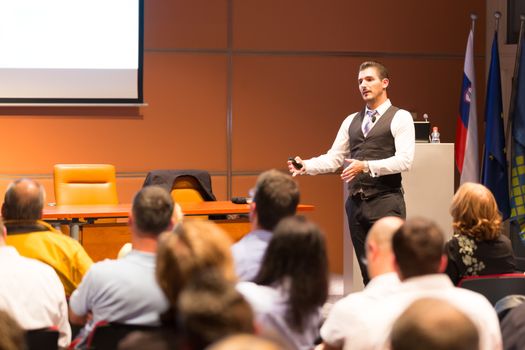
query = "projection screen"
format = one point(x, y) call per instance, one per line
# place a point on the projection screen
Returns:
point(71, 51)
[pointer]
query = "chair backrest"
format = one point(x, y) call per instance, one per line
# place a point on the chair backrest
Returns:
point(186, 189)
point(506, 304)
point(186, 185)
point(495, 287)
point(85, 184)
point(106, 336)
point(42, 339)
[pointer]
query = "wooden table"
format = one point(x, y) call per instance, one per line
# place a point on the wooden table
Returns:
point(72, 214)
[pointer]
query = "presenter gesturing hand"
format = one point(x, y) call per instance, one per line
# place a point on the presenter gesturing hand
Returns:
point(354, 168)
point(293, 168)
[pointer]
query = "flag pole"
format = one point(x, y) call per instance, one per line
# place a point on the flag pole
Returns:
point(473, 18)
point(497, 16)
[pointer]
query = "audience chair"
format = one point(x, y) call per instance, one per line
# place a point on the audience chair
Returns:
point(85, 184)
point(106, 336)
point(495, 287)
point(42, 339)
point(506, 304)
point(186, 189)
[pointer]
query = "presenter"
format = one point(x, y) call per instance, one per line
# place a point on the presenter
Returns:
point(374, 146)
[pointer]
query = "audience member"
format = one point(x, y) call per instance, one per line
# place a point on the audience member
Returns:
point(292, 284)
point(33, 238)
point(478, 246)
point(127, 247)
point(380, 264)
point(125, 290)
point(246, 342)
point(276, 196)
point(433, 324)
point(192, 247)
point(31, 292)
point(211, 308)
point(12, 336)
point(419, 258)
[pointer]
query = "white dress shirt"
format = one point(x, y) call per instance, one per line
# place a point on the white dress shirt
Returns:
point(402, 128)
point(347, 311)
point(373, 330)
point(32, 294)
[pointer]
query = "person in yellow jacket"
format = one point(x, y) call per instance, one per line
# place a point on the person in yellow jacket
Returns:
point(34, 238)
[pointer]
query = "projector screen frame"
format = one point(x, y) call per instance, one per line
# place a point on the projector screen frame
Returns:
point(92, 102)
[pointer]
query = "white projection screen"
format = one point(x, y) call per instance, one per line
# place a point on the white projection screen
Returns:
point(71, 51)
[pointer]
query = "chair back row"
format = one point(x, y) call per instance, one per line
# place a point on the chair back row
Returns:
point(93, 184)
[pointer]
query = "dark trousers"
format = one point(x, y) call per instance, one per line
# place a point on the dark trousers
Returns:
point(363, 213)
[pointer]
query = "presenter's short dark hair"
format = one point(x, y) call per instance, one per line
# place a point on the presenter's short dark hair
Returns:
point(276, 197)
point(152, 209)
point(418, 247)
point(23, 200)
point(382, 71)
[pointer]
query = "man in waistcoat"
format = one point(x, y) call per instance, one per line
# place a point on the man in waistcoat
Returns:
point(374, 146)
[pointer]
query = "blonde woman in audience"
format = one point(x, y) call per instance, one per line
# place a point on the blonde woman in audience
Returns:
point(478, 246)
point(193, 246)
point(292, 284)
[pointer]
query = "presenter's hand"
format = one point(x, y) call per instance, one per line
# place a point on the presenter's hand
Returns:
point(295, 171)
point(352, 170)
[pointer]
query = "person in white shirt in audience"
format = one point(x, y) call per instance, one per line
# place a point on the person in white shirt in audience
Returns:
point(276, 196)
point(125, 290)
point(420, 261)
point(380, 265)
point(292, 284)
point(31, 292)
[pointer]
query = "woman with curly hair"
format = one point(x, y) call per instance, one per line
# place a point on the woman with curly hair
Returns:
point(478, 246)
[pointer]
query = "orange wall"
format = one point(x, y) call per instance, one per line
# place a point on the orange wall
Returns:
point(284, 70)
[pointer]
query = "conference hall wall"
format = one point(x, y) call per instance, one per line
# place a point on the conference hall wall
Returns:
point(274, 77)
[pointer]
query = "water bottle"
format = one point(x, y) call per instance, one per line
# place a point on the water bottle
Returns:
point(434, 137)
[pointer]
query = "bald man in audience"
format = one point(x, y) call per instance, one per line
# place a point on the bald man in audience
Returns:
point(433, 324)
point(337, 329)
point(420, 261)
point(34, 238)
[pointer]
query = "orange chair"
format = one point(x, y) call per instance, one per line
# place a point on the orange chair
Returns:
point(186, 190)
point(85, 184)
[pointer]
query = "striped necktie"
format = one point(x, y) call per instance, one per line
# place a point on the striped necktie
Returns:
point(367, 125)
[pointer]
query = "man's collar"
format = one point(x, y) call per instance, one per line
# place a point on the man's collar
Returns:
point(382, 107)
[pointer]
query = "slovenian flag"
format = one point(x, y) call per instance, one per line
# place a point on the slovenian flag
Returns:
point(467, 124)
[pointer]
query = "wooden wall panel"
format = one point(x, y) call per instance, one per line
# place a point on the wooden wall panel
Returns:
point(300, 102)
point(186, 113)
point(367, 26)
point(289, 106)
point(185, 24)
